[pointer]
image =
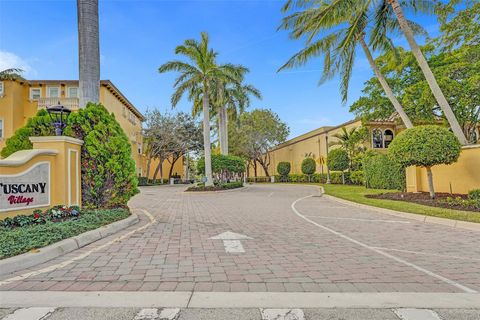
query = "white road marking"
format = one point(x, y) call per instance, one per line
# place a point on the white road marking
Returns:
point(30, 314)
point(416, 314)
point(359, 219)
point(270, 194)
point(147, 314)
point(282, 314)
point(169, 314)
point(427, 254)
point(231, 241)
point(81, 256)
point(366, 246)
point(233, 246)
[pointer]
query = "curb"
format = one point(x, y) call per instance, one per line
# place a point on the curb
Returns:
point(472, 226)
point(30, 259)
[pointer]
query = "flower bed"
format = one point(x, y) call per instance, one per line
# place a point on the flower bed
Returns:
point(24, 233)
point(218, 187)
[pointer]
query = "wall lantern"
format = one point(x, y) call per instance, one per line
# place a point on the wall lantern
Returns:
point(59, 115)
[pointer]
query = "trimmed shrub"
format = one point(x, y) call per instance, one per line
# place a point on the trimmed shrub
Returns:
point(142, 181)
point(357, 177)
point(308, 166)
point(337, 160)
point(222, 163)
point(218, 187)
point(425, 146)
point(474, 194)
point(380, 172)
point(283, 168)
point(337, 177)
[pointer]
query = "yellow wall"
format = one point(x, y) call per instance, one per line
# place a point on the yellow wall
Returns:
point(178, 168)
point(461, 176)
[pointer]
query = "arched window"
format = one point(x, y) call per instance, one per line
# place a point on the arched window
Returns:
point(387, 137)
point(377, 138)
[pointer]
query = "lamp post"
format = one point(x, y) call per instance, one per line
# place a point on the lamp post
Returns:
point(59, 115)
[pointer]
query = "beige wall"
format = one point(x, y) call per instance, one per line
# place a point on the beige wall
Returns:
point(459, 177)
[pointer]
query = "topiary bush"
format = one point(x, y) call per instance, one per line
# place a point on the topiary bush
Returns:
point(425, 146)
point(308, 166)
point(380, 172)
point(283, 168)
point(337, 160)
point(108, 169)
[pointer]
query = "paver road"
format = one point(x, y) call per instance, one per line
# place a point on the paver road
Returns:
point(300, 243)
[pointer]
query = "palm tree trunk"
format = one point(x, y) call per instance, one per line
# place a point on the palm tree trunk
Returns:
point(88, 52)
point(206, 138)
point(427, 72)
point(222, 130)
point(383, 82)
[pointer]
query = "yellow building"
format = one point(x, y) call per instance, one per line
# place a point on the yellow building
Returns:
point(21, 100)
point(316, 143)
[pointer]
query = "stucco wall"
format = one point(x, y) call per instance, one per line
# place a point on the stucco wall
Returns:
point(459, 177)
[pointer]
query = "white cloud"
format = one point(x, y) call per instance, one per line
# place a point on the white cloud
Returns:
point(10, 60)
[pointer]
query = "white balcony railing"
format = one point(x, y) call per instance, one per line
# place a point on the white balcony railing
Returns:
point(69, 103)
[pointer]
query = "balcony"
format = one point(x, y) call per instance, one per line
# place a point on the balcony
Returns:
point(69, 103)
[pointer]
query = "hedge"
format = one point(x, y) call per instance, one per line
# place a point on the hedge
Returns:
point(357, 177)
point(380, 172)
point(223, 163)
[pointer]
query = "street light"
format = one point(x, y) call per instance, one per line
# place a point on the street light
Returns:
point(59, 115)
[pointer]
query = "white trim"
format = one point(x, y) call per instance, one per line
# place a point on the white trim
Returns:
point(373, 146)
point(30, 93)
point(69, 178)
point(25, 172)
point(56, 139)
point(471, 146)
point(47, 94)
point(2, 128)
point(2, 90)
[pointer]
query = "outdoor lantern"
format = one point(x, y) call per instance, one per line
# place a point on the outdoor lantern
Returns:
point(59, 115)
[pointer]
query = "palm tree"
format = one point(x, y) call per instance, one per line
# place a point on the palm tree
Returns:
point(350, 141)
point(339, 45)
point(11, 74)
point(423, 64)
point(231, 99)
point(88, 51)
point(200, 73)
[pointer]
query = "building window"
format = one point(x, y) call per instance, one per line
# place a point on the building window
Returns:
point(140, 148)
point(124, 111)
point(1, 89)
point(53, 92)
point(73, 92)
point(35, 93)
point(377, 139)
point(387, 137)
point(1, 129)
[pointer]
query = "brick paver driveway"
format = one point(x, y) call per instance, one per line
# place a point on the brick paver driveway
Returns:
point(299, 243)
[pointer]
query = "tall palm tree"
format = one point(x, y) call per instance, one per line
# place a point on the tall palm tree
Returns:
point(338, 46)
point(231, 99)
point(88, 51)
point(423, 64)
point(11, 74)
point(201, 72)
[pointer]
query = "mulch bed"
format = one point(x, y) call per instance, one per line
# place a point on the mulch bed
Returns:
point(424, 198)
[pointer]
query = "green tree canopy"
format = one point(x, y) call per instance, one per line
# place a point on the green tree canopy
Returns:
point(337, 159)
point(308, 166)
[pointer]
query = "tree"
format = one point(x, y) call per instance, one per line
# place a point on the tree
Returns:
point(338, 45)
point(425, 146)
point(337, 160)
point(457, 71)
point(283, 169)
point(11, 74)
point(88, 52)
point(308, 167)
point(200, 73)
point(427, 72)
point(225, 167)
point(256, 133)
point(351, 141)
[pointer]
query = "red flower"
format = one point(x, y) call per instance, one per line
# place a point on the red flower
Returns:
point(36, 216)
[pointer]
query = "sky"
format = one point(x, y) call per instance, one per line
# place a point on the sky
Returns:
point(137, 36)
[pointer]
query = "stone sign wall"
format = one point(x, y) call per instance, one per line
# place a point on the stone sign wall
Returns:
point(29, 189)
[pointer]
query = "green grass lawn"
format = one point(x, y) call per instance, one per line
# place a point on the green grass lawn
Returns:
point(357, 194)
point(23, 239)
